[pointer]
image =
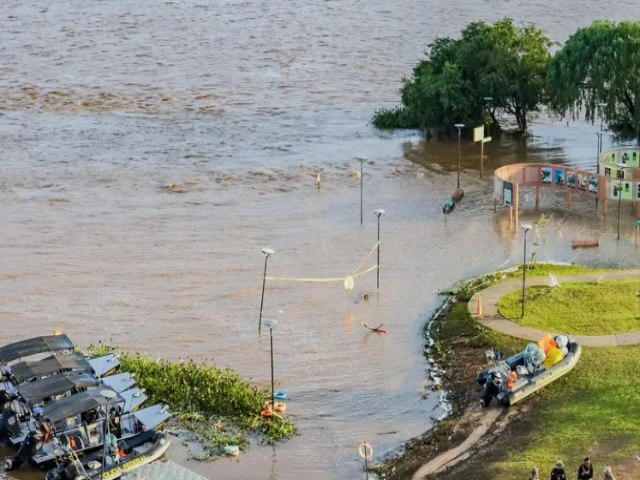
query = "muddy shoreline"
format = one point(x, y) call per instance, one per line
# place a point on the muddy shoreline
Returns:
point(455, 356)
point(449, 431)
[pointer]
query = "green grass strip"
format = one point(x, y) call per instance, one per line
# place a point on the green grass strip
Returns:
point(594, 308)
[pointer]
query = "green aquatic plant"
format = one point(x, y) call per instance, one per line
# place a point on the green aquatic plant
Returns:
point(216, 404)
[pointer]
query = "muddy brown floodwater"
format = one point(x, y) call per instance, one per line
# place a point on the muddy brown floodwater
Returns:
point(150, 152)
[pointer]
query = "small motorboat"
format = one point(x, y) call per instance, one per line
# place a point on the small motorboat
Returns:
point(76, 423)
point(523, 374)
point(18, 410)
point(125, 456)
point(34, 346)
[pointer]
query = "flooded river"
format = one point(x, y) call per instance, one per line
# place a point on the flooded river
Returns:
point(149, 152)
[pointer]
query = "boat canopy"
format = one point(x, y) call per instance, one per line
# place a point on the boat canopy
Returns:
point(32, 346)
point(35, 392)
point(24, 370)
point(119, 382)
point(77, 404)
point(105, 364)
point(133, 398)
point(152, 416)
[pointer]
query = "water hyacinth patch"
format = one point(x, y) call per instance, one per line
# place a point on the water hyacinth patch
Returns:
point(215, 404)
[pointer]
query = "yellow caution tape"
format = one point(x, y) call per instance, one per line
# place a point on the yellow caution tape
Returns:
point(356, 273)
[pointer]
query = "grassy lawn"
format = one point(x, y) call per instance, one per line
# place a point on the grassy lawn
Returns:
point(591, 411)
point(544, 269)
point(595, 308)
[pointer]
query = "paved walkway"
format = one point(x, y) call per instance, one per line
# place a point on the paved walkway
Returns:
point(492, 319)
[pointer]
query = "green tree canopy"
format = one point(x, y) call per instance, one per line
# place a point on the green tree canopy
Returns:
point(598, 72)
point(499, 60)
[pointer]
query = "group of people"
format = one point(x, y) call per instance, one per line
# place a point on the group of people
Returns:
point(585, 472)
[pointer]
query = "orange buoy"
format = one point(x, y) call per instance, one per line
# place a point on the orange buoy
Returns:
point(281, 407)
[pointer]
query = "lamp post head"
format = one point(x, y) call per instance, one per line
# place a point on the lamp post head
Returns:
point(361, 159)
point(271, 324)
point(379, 212)
point(526, 227)
point(108, 394)
point(459, 126)
point(268, 251)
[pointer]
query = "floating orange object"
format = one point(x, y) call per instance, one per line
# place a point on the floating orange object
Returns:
point(268, 411)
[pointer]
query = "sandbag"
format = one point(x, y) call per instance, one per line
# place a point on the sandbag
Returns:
point(546, 343)
point(554, 355)
point(562, 341)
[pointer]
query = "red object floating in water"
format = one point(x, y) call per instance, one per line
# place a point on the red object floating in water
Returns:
point(377, 329)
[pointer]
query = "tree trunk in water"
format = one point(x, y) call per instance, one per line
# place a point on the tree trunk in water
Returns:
point(521, 119)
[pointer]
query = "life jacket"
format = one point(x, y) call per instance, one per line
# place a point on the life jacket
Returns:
point(512, 379)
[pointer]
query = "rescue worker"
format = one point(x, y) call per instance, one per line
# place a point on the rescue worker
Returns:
point(491, 388)
point(558, 472)
point(585, 470)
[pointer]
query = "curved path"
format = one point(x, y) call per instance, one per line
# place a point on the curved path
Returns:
point(491, 318)
point(461, 452)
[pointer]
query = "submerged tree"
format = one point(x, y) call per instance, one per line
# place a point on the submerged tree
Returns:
point(500, 61)
point(597, 72)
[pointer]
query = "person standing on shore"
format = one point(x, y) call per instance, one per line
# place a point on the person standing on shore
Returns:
point(534, 474)
point(585, 471)
point(558, 472)
point(608, 474)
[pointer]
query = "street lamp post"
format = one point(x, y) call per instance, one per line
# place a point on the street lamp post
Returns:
point(459, 126)
point(362, 160)
point(599, 134)
point(267, 252)
point(618, 189)
point(109, 395)
point(271, 324)
point(525, 227)
point(379, 213)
